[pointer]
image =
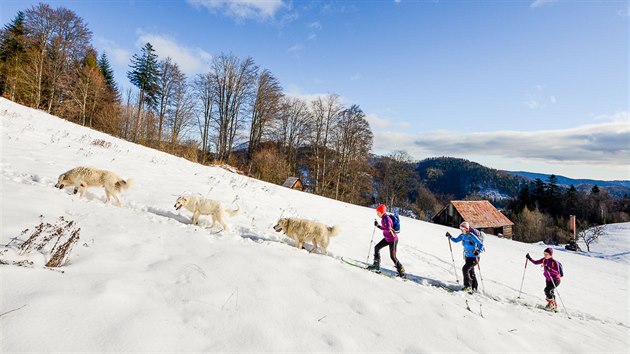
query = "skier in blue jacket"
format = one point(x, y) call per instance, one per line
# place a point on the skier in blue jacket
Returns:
point(472, 247)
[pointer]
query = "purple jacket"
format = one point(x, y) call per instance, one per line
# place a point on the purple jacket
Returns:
point(386, 226)
point(551, 268)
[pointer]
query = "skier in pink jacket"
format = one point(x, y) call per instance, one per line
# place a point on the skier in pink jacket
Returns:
point(553, 273)
point(389, 239)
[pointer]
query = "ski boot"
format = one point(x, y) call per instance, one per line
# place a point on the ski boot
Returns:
point(550, 305)
point(401, 272)
point(376, 266)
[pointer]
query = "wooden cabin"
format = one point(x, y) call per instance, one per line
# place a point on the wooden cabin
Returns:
point(480, 214)
point(294, 183)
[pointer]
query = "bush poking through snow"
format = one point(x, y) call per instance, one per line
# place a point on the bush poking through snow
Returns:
point(102, 143)
point(64, 234)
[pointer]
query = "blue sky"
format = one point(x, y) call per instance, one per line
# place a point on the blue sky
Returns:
point(537, 85)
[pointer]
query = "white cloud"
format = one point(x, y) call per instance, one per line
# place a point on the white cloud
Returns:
point(116, 54)
point(604, 143)
point(191, 60)
point(552, 99)
point(296, 48)
point(377, 122)
point(540, 3)
point(600, 150)
point(315, 25)
point(532, 104)
point(355, 77)
point(242, 9)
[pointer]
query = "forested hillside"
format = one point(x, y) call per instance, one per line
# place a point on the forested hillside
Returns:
point(462, 178)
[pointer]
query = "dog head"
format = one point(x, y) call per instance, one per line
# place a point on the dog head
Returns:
point(281, 225)
point(181, 201)
point(62, 181)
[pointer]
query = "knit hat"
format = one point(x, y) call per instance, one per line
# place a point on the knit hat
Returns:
point(465, 225)
point(381, 209)
point(549, 250)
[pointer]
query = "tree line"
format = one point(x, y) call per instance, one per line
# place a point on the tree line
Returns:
point(235, 113)
point(541, 210)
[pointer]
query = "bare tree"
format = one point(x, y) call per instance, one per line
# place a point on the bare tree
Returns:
point(68, 46)
point(353, 142)
point(265, 108)
point(205, 94)
point(325, 112)
point(39, 28)
point(532, 226)
point(233, 80)
point(182, 109)
point(86, 88)
point(591, 235)
point(165, 85)
point(291, 128)
point(394, 176)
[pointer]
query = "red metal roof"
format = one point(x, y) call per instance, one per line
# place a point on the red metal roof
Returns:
point(481, 214)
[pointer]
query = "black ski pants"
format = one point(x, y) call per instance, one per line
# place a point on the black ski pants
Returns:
point(470, 279)
point(550, 289)
point(392, 252)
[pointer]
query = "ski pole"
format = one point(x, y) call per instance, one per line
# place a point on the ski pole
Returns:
point(556, 290)
point(483, 286)
point(367, 260)
point(453, 258)
point(523, 280)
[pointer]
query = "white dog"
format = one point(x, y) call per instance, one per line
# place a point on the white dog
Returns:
point(83, 177)
point(302, 230)
point(204, 206)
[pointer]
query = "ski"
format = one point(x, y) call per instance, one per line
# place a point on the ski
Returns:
point(365, 267)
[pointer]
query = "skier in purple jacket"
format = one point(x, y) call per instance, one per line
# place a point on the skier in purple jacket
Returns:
point(389, 239)
point(553, 273)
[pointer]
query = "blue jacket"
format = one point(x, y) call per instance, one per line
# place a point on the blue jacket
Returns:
point(471, 243)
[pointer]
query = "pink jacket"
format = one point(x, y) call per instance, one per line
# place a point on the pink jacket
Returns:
point(551, 268)
point(386, 226)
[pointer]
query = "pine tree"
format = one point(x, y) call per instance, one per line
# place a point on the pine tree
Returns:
point(11, 46)
point(144, 75)
point(108, 75)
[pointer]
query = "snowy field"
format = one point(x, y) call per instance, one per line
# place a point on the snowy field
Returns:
point(143, 279)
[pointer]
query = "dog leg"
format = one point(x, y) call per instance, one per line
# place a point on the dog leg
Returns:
point(117, 197)
point(107, 196)
point(314, 246)
point(222, 224)
point(195, 218)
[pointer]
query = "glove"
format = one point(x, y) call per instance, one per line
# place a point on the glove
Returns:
point(476, 252)
point(448, 234)
point(528, 257)
point(375, 223)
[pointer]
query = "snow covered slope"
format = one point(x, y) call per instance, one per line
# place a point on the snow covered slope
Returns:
point(142, 278)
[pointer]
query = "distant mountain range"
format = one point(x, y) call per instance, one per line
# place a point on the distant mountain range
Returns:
point(570, 181)
point(461, 178)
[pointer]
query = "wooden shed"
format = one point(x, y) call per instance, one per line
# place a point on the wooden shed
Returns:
point(480, 214)
point(294, 183)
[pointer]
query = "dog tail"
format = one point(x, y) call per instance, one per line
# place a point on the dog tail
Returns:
point(122, 184)
point(333, 230)
point(234, 212)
